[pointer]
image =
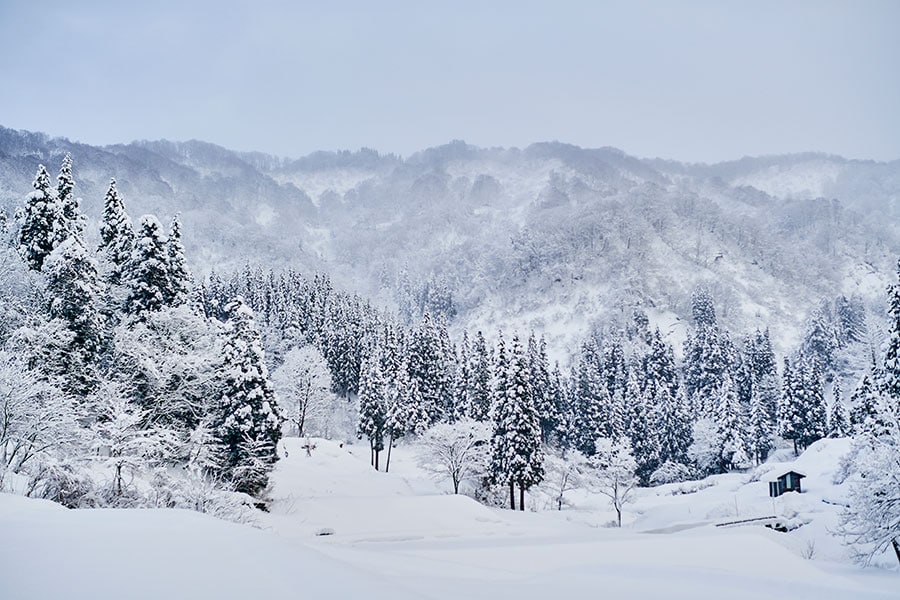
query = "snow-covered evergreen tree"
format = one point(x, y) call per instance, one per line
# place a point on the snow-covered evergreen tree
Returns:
point(561, 400)
point(705, 357)
point(642, 429)
point(864, 400)
point(248, 423)
point(116, 234)
point(659, 370)
point(516, 457)
point(540, 387)
point(791, 419)
point(613, 366)
point(760, 432)
point(342, 351)
point(147, 273)
point(478, 389)
point(428, 365)
point(594, 413)
point(73, 220)
point(673, 425)
point(819, 341)
point(406, 413)
point(41, 222)
point(813, 410)
point(462, 379)
point(75, 295)
point(731, 429)
point(179, 286)
point(838, 419)
point(373, 406)
point(703, 309)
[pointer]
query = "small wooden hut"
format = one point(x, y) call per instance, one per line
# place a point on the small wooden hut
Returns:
point(789, 482)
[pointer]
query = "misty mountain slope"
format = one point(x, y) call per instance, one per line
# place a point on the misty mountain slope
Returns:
point(225, 202)
point(552, 236)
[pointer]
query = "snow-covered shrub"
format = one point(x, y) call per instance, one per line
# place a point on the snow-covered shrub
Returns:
point(563, 472)
point(670, 472)
point(63, 481)
point(491, 494)
point(691, 487)
point(193, 489)
point(871, 522)
point(123, 444)
point(36, 418)
point(704, 450)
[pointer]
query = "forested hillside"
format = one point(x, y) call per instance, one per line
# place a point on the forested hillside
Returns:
point(550, 237)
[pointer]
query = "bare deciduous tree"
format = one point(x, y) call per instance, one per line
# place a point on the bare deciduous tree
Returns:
point(457, 451)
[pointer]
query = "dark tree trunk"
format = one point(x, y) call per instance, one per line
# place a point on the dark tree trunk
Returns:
point(303, 412)
point(387, 463)
point(521, 497)
point(512, 495)
point(896, 543)
point(795, 448)
point(371, 453)
point(377, 452)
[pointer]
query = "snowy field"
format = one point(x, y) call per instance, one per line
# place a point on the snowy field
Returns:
point(399, 535)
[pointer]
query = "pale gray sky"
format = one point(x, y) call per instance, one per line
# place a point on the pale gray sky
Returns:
point(696, 81)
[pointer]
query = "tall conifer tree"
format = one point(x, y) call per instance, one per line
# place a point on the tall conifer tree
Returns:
point(516, 456)
point(116, 234)
point(179, 277)
point(147, 273)
point(247, 418)
point(41, 222)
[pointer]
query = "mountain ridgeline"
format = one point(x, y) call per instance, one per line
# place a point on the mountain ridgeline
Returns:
point(550, 237)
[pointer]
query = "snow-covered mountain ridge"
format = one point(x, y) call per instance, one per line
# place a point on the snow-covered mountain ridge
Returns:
point(551, 237)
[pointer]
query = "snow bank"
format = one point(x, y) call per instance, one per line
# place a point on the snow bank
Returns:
point(391, 536)
point(50, 552)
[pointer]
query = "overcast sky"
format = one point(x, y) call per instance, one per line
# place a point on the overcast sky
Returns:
point(695, 81)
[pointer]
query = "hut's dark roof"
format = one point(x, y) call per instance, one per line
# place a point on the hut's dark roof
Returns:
point(801, 475)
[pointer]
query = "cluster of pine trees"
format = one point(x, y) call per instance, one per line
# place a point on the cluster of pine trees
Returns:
point(112, 369)
point(720, 408)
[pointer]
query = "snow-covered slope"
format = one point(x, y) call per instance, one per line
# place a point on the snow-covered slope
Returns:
point(50, 552)
point(395, 535)
point(338, 529)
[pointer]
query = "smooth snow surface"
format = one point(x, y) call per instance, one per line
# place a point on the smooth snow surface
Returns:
point(48, 552)
point(397, 535)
